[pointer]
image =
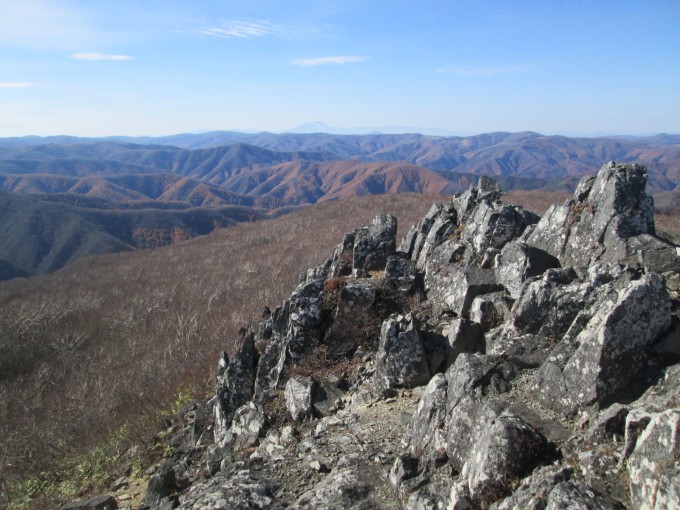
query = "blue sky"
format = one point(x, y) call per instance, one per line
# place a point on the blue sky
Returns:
point(94, 68)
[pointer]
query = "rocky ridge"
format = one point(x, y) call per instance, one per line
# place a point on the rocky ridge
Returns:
point(494, 359)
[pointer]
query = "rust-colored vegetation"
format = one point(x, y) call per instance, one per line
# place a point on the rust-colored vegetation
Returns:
point(107, 344)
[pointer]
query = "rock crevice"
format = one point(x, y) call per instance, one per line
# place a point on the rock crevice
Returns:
point(494, 360)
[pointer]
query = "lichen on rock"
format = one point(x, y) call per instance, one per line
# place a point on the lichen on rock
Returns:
point(513, 362)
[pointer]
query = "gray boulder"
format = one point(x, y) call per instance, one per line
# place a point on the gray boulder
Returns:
point(235, 383)
point(327, 396)
point(298, 395)
point(517, 262)
point(636, 422)
point(356, 295)
point(483, 312)
point(653, 255)
point(608, 425)
point(295, 327)
point(597, 224)
point(488, 189)
point(425, 432)
point(348, 485)
point(533, 492)
point(464, 336)
point(248, 426)
point(373, 244)
point(492, 225)
point(437, 225)
point(452, 414)
point(506, 450)
point(561, 302)
point(614, 342)
point(228, 491)
point(577, 496)
point(463, 286)
point(401, 361)
point(401, 274)
point(103, 502)
point(470, 379)
point(653, 467)
point(273, 360)
point(341, 264)
point(162, 484)
point(404, 468)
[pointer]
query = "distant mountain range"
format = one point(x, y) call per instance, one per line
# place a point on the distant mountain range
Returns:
point(86, 196)
point(527, 155)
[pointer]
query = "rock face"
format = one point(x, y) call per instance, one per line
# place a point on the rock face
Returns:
point(604, 346)
point(654, 466)
point(97, 503)
point(298, 397)
point(495, 360)
point(235, 380)
point(610, 219)
point(401, 361)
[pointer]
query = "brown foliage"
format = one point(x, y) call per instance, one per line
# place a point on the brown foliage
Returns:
point(154, 238)
point(110, 339)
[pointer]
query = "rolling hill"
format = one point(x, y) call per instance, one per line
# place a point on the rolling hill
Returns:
point(92, 196)
point(205, 157)
point(40, 234)
point(135, 190)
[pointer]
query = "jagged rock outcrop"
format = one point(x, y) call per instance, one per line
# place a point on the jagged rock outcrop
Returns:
point(517, 262)
point(604, 346)
point(298, 395)
point(610, 219)
point(654, 466)
point(401, 361)
point(235, 380)
point(496, 360)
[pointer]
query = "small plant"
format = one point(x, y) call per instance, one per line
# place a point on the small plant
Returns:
point(335, 284)
point(458, 231)
point(576, 211)
point(331, 294)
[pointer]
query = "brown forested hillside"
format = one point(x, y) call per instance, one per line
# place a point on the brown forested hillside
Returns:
point(111, 339)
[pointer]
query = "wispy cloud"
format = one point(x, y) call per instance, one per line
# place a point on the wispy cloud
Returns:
point(100, 56)
point(319, 61)
point(484, 71)
point(47, 24)
point(14, 84)
point(242, 29)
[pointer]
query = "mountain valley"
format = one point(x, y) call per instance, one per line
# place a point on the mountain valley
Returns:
point(127, 193)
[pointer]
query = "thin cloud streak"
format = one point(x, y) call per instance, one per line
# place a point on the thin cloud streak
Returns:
point(483, 71)
point(14, 84)
point(241, 29)
point(100, 56)
point(310, 62)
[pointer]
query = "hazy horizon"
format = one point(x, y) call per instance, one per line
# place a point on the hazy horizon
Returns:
point(358, 131)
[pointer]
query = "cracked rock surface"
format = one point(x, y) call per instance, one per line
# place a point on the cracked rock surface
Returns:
point(495, 360)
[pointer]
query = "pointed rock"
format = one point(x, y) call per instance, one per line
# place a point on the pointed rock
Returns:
point(599, 222)
point(653, 467)
point(235, 382)
point(401, 360)
point(373, 244)
point(613, 343)
point(298, 395)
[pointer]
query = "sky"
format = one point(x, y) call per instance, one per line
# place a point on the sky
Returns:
point(151, 67)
